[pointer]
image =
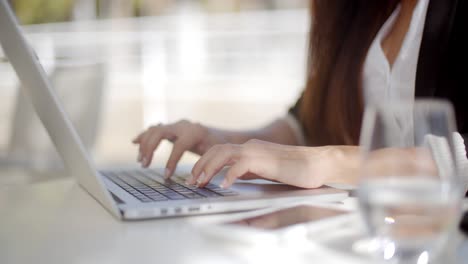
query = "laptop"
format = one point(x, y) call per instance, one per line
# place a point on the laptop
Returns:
point(133, 194)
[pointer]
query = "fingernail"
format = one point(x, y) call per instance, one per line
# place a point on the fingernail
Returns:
point(167, 174)
point(223, 184)
point(143, 162)
point(139, 157)
point(201, 179)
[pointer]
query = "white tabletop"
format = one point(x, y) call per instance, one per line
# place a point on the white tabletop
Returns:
point(58, 222)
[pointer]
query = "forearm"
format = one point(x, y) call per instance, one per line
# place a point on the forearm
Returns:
point(278, 131)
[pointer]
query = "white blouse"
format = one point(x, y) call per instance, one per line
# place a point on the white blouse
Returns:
point(382, 82)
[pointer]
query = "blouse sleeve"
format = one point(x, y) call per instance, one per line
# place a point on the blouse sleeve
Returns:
point(462, 161)
point(464, 138)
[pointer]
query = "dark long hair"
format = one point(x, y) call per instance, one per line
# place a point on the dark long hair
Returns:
point(341, 34)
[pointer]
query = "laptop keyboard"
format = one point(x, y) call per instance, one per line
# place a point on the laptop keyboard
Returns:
point(148, 186)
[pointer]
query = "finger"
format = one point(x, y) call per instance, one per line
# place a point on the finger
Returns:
point(153, 143)
point(197, 170)
point(224, 157)
point(199, 165)
point(178, 150)
point(137, 139)
point(142, 144)
point(236, 171)
point(140, 136)
point(151, 137)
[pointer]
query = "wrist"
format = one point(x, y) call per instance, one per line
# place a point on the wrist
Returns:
point(206, 139)
point(345, 165)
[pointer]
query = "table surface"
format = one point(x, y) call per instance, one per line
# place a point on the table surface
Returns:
point(58, 222)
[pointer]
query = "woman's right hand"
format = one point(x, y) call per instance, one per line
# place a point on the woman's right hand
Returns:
point(184, 134)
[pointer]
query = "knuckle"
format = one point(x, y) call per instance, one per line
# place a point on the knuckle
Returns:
point(230, 146)
point(253, 142)
point(152, 130)
point(184, 122)
point(217, 147)
point(200, 128)
point(197, 125)
point(155, 126)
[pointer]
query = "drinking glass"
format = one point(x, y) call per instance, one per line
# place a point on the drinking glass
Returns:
point(409, 189)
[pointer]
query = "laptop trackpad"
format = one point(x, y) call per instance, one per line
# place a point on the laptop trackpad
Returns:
point(257, 186)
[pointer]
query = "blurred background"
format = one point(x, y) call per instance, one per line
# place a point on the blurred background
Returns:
point(121, 65)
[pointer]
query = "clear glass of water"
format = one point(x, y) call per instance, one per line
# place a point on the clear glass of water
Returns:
point(409, 191)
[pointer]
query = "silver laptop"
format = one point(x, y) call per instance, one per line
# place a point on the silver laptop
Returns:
point(135, 193)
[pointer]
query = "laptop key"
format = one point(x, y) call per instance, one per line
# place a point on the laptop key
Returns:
point(185, 192)
point(193, 196)
point(206, 193)
point(147, 180)
point(147, 189)
point(158, 198)
point(156, 186)
point(151, 194)
point(211, 186)
point(176, 197)
point(169, 193)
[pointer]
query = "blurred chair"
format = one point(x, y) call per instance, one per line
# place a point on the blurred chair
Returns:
point(79, 87)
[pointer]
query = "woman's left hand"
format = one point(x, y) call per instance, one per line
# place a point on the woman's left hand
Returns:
point(306, 167)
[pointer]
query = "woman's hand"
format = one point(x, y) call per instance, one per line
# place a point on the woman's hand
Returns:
point(184, 135)
point(197, 138)
point(306, 167)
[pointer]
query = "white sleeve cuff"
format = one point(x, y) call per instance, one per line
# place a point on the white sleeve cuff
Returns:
point(441, 154)
point(460, 155)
